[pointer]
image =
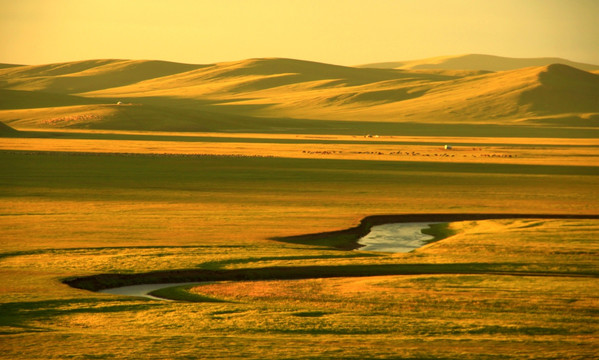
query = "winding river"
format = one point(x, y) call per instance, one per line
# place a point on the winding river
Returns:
point(397, 233)
point(394, 238)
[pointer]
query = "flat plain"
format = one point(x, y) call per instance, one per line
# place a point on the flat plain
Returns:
point(77, 202)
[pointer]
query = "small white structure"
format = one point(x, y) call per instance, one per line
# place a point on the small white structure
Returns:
point(119, 103)
point(447, 147)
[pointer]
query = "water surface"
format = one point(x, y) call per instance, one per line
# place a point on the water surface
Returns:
point(396, 238)
point(142, 290)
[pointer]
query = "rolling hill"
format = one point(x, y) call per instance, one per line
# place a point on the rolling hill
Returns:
point(275, 93)
point(477, 62)
point(80, 76)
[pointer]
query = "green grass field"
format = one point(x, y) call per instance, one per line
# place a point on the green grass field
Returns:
point(510, 288)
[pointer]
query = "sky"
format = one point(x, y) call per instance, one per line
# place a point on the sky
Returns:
point(344, 32)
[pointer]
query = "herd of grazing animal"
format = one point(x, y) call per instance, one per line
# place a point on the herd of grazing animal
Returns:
point(444, 154)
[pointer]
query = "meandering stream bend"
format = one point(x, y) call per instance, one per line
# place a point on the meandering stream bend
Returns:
point(376, 243)
point(395, 238)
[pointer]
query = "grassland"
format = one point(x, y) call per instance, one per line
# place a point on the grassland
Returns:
point(139, 170)
point(84, 203)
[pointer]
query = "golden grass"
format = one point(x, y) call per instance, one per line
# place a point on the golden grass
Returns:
point(67, 213)
point(542, 151)
point(434, 316)
point(181, 136)
point(76, 203)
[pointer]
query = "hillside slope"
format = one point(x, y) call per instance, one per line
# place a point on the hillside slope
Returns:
point(477, 62)
point(530, 92)
point(282, 93)
point(89, 75)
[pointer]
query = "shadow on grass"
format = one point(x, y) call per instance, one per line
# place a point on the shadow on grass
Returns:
point(182, 293)
point(19, 315)
point(214, 265)
point(234, 122)
point(310, 314)
point(106, 281)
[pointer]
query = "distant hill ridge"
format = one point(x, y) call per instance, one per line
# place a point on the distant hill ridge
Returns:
point(269, 92)
point(88, 75)
point(477, 62)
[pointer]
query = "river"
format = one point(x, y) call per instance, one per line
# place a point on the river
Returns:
point(142, 290)
point(395, 238)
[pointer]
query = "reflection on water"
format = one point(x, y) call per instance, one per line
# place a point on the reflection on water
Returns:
point(396, 238)
point(142, 290)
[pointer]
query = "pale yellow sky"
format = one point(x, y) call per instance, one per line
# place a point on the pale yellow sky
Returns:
point(347, 32)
